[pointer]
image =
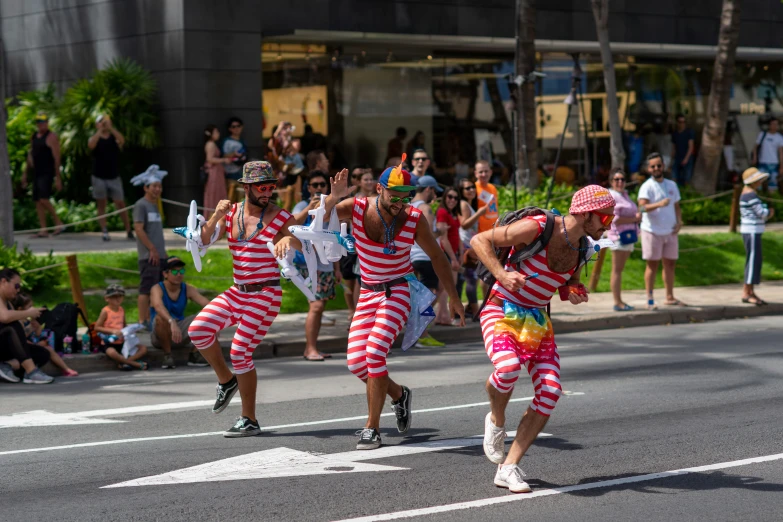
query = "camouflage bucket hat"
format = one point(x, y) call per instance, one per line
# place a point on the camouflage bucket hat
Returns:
point(258, 172)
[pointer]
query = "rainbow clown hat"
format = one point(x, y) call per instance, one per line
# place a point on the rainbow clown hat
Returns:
point(397, 178)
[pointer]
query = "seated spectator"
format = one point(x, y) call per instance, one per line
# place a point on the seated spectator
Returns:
point(109, 327)
point(16, 355)
point(170, 325)
point(37, 335)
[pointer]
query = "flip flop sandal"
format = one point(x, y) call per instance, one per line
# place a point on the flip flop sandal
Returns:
point(313, 358)
point(325, 355)
point(624, 308)
point(676, 302)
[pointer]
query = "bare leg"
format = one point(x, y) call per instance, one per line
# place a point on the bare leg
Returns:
point(28, 365)
point(144, 308)
point(377, 389)
point(214, 356)
point(248, 383)
point(312, 327)
point(57, 360)
point(498, 402)
point(163, 332)
point(619, 258)
point(747, 291)
point(41, 211)
point(649, 277)
point(123, 215)
point(141, 351)
point(668, 277)
point(350, 302)
point(48, 207)
point(101, 204)
point(529, 427)
point(116, 356)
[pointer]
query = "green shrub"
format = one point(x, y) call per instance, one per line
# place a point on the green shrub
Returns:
point(25, 217)
point(25, 260)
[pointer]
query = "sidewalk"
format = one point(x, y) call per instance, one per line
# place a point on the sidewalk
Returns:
point(706, 303)
point(81, 242)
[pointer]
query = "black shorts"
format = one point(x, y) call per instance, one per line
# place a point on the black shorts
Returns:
point(346, 266)
point(42, 187)
point(150, 276)
point(426, 274)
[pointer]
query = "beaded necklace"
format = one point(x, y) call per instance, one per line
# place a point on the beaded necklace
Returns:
point(241, 224)
point(569, 243)
point(388, 244)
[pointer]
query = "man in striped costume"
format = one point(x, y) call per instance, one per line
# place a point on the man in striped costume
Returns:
point(385, 227)
point(254, 300)
point(525, 289)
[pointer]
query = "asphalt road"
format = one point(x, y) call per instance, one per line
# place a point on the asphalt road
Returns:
point(641, 404)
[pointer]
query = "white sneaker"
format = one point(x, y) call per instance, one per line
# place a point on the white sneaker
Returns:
point(494, 441)
point(510, 477)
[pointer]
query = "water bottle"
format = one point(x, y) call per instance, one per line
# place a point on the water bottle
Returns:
point(67, 345)
point(86, 344)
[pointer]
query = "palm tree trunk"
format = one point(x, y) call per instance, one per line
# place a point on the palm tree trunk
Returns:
point(601, 15)
point(705, 178)
point(6, 192)
point(526, 110)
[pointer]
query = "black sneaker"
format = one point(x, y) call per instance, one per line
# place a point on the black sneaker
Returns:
point(244, 427)
point(106, 236)
point(131, 237)
point(369, 438)
point(196, 359)
point(224, 394)
point(402, 410)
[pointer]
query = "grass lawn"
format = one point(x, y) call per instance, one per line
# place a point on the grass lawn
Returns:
point(719, 265)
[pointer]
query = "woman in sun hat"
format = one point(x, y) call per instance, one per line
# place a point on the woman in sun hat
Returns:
point(753, 214)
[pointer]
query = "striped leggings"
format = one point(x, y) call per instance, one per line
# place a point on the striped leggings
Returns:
point(376, 324)
point(752, 258)
point(545, 375)
point(253, 312)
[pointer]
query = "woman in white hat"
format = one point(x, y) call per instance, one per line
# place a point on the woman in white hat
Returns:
point(753, 214)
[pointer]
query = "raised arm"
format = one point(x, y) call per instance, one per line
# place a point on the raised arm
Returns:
point(218, 217)
point(466, 220)
point(340, 190)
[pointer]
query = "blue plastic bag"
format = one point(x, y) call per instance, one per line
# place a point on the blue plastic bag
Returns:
point(421, 314)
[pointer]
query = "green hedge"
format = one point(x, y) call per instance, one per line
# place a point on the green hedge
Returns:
point(25, 217)
point(11, 257)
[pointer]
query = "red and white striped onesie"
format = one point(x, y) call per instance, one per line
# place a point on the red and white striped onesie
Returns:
point(379, 319)
point(535, 294)
point(252, 311)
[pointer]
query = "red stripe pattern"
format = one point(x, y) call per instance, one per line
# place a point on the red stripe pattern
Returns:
point(376, 266)
point(545, 375)
point(253, 262)
point(539, 291)
point(253, 312)
point(376, 324)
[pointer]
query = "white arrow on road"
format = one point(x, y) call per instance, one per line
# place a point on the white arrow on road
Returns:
point(286, 462)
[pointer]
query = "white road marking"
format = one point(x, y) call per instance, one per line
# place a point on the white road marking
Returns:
point(136, 409)
point(286, 462)
point(556, 491)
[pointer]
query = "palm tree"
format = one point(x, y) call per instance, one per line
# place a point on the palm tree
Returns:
point(705, 177)
point(601, 15)
point(526, 110)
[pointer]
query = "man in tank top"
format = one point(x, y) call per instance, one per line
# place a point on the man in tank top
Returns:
point(44, 160)
point(253, 302)
point(169, 322)
point(385, 228)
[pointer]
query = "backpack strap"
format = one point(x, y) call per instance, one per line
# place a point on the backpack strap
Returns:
point(84, 318)
point(540, 242)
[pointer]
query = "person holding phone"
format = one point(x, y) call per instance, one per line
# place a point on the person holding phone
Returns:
point(516, 330)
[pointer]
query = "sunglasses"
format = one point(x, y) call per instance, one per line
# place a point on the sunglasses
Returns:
point(264, 187)
point(357, 176)
point(451, 196)
point(606, 219)
point(395, 199)
point(175, 271)
point(421, 159)
point(469, 187)
point(318, 185)
point(619, 179)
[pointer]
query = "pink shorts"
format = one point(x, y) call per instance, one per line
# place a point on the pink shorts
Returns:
point(656, 247)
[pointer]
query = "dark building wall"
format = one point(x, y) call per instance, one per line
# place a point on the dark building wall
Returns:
point(205, 56)
point(688, 22)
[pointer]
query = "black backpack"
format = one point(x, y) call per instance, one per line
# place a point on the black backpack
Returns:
point(525, 253)
point(62, 322)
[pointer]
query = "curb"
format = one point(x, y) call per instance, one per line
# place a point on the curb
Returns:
point(472, 331)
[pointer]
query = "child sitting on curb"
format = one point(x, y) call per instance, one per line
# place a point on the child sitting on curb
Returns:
point(37, 335)
point(109, 327)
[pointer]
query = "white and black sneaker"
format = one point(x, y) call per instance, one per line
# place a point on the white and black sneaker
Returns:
point(244, 427)
point(369, 438)
point(402, 410)
point(224, 394)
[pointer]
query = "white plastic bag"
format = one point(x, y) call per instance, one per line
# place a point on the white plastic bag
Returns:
point(421, 312)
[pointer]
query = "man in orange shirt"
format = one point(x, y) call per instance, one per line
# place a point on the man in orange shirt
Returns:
point(487, 195)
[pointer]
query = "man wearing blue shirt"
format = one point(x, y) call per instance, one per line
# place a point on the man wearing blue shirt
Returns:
point(683, 140)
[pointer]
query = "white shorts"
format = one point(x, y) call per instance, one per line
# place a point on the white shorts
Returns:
point(622, 248)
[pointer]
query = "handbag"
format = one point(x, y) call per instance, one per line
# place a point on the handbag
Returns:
point(628, 237)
